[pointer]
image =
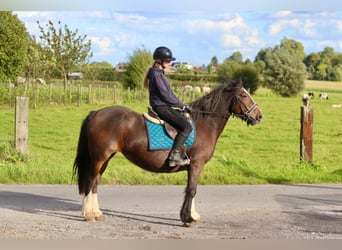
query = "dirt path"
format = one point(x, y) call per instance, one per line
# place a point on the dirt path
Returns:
point(152, 212)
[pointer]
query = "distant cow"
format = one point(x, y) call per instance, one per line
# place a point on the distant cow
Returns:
point(311, 94)
point(323, 96)
point(307, 97)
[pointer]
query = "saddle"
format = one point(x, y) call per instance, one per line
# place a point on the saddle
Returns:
point(152, 116)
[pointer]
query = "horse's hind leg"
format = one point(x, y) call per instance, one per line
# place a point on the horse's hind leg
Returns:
point(90, 206)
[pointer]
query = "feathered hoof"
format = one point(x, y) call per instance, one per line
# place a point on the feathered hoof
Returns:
point(100, 218)
point(94, 219)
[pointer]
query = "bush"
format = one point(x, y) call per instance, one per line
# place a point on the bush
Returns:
point(8, 153)
point(139, 61)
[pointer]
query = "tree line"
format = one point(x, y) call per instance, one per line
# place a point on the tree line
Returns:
point(59, 50)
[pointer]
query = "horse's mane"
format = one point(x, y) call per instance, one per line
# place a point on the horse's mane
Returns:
point(211, 102)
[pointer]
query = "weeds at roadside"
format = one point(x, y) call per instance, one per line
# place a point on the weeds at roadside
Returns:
point(8, 153)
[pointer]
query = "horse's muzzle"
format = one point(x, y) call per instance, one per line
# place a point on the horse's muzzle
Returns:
point(254, 120)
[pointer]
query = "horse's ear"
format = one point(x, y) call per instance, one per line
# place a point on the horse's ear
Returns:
point(238, 83)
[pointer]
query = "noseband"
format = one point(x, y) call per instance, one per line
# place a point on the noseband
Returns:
point(246, 116)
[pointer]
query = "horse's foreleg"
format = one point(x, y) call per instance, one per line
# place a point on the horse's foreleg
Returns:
point(188, 212)
point(90, 206)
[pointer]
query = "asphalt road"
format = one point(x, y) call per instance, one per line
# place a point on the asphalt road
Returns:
point(152, 212)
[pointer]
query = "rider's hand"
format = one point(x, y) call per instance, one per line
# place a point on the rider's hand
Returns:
point(187, 109)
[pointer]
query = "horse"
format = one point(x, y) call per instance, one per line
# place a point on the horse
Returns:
point(114, 129)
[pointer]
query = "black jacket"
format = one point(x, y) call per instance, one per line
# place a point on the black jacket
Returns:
point(160, 90)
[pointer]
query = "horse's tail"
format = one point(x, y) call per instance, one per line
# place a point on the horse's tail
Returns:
point(82, 163)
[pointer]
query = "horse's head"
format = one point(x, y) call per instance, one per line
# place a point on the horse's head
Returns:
point(244, 106)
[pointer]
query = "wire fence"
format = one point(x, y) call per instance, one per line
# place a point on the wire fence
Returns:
point(78, 93)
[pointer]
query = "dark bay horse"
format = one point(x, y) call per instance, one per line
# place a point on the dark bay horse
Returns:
point(118, 129)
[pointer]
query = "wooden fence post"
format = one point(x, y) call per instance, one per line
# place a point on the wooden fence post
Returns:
point(306, 128)
point(79, 94)
point(21, 124)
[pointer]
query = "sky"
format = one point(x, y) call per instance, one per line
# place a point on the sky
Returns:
point(195, 31)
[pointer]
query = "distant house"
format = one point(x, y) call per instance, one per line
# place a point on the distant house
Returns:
point(75, 76)
point(120, 67)
point(182, 65)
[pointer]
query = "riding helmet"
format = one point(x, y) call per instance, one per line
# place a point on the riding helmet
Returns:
point(163, 53)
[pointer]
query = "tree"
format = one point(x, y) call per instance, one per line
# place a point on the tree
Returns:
point(293, 47)
point(138, 63)
point(237, 57)
point(311, 62)
point(214, 61)
point(337, 73)
point(13, 46)
point(38, 64)
point(249, 76)
point(285, 73)
point(324, 65)
point(65, 48)
point(226, 69)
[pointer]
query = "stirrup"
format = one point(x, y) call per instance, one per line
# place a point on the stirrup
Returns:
point(182, 162)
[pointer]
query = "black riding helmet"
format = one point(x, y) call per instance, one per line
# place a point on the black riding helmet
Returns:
point(163, 53)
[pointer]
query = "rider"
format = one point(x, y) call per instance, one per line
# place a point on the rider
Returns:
point(163, 101)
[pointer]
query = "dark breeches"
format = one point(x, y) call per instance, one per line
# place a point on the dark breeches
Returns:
point(175, 118)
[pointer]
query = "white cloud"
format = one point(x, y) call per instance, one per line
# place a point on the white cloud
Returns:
point(231, 41)
point(229, 23)
point(104, 45)
point(128, 18)
point(309, 28)
point(230, 30)
point(283, 24)
point(125, 39)
point(281, 14)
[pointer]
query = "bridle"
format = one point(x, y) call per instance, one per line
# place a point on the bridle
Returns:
point(246, 116)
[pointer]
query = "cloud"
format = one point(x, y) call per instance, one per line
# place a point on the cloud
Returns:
point(226, 30)
point(277, 27)
point(309, 28)
point(231, 41)
point(104, 45)
point(281, 14)
point(225, 23)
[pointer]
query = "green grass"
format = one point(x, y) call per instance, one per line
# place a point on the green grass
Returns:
point(266, 153)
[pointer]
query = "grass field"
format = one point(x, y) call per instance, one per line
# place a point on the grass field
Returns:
point(266, 153)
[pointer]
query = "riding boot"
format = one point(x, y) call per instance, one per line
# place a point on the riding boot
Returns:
point(176, 157)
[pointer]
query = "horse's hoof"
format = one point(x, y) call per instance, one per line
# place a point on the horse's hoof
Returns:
point(100, 218)
point(190, 224)
point(89, 219)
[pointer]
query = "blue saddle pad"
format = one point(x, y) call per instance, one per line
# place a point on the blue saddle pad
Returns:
point(158, 138)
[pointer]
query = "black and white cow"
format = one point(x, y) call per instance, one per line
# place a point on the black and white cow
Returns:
point(307, 97)
point(323, 96)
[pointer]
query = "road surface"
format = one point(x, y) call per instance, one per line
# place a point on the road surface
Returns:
point(152, 212)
